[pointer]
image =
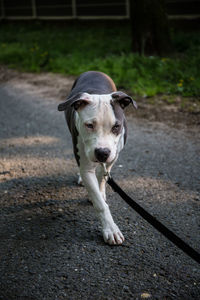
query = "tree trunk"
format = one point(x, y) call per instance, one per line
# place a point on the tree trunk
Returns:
point(150, 28)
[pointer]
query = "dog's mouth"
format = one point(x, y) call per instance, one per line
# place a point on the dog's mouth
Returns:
point(99, 162)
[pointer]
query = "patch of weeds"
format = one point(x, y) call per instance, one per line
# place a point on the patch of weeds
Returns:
point(78, 48)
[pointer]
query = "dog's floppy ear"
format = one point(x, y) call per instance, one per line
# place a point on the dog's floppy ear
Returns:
point(77, 101)
point(80, 103)
point(123, 99)
point(63, 106)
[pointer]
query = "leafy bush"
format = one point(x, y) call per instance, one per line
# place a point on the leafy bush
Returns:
point(78, 48)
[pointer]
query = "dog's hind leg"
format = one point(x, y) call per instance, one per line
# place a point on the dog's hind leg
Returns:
point(79, 181)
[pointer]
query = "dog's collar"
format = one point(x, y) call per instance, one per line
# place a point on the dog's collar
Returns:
point(106, 174)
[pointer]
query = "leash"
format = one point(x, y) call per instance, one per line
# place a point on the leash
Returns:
point(152, 220)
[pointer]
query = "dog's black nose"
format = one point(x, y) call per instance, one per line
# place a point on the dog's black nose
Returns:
point(102, 154)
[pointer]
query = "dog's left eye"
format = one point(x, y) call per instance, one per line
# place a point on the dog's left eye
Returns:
point(89, 125)
point(115, 128)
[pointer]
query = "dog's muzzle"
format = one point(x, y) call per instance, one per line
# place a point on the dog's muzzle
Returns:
point(102, 154)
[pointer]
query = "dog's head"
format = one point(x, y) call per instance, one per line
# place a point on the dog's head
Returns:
point(100, 122)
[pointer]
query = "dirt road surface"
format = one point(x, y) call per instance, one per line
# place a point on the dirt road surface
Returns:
point(50, 241)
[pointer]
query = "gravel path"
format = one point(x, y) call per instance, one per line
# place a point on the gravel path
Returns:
point(51, 246)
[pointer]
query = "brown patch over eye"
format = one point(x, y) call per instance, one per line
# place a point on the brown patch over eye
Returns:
point(116, 129)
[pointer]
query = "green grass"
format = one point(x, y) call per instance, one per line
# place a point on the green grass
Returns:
point(73, 49)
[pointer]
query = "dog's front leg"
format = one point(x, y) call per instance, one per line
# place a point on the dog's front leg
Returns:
point(111, 232)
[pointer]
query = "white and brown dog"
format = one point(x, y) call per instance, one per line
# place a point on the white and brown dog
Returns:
point(95, 117)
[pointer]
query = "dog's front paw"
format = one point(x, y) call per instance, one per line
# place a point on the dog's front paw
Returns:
point(112, 235)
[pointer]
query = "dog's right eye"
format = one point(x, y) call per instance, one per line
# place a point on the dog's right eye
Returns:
point(89, 125)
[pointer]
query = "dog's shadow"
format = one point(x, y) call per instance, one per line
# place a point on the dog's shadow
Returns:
point(49, 211)
point(50, 223)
